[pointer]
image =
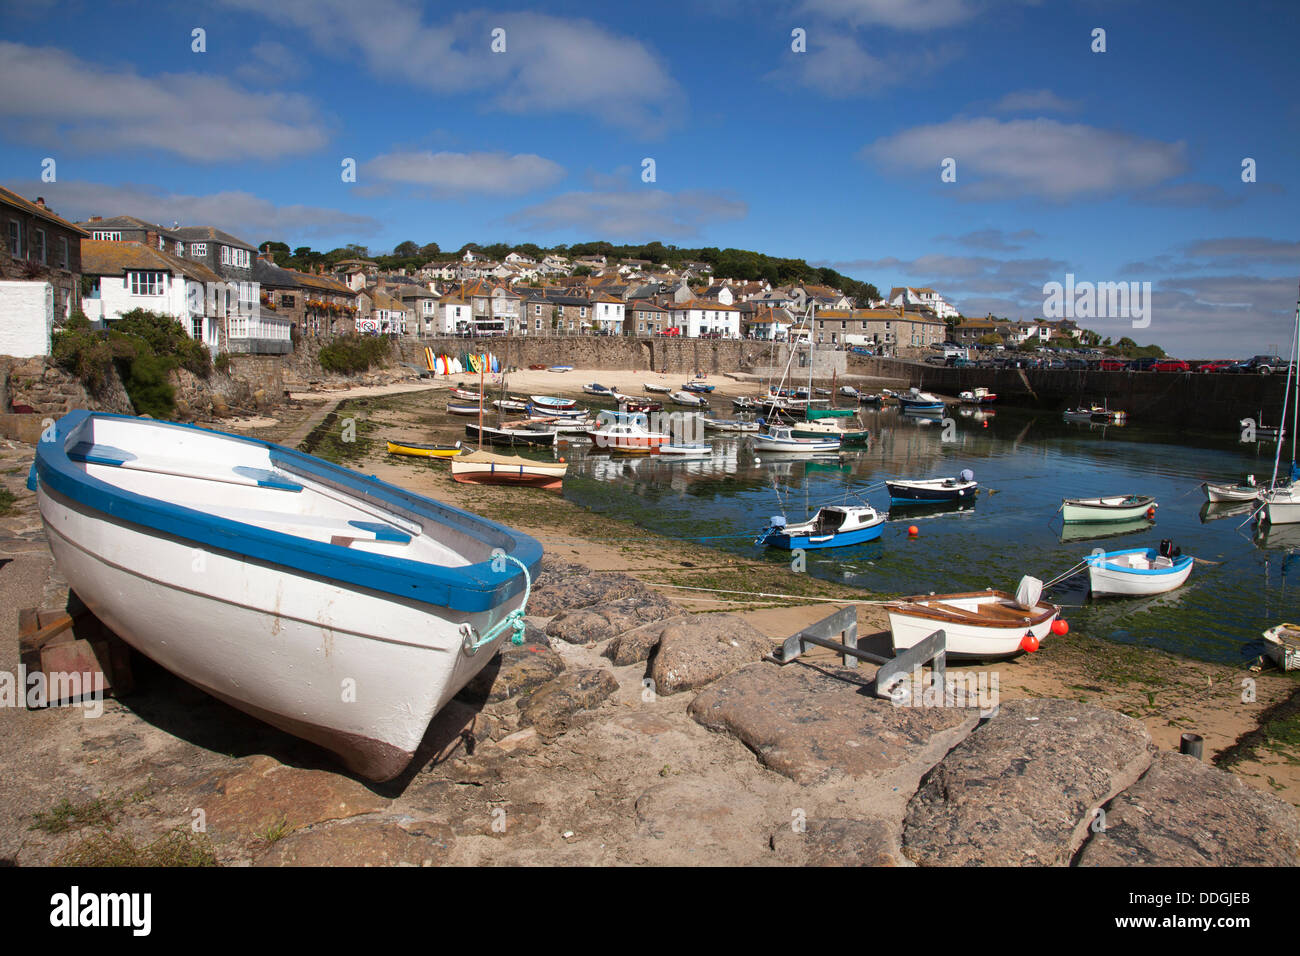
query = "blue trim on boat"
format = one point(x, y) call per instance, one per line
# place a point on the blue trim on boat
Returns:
point(382, 532)
point(1150, 553)
point(266, 478)
point(94, 454)
point(471, 588)
point(840, 539)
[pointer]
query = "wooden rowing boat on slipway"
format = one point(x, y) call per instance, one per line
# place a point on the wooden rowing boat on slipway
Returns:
point(485, 468)
point(978, 625)
point(1282, 645)
point(1114, 508)
point(336, 607)
point(1136, 572)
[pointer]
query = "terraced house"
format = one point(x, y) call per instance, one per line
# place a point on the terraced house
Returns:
point(40, 245)
point(877, 327)
point(126, 275)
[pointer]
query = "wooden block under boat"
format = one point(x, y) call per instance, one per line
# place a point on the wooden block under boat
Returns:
point(58, 643)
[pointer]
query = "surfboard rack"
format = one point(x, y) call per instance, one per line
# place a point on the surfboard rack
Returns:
point(839, 632)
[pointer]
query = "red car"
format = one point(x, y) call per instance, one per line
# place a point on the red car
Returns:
point(1214, 367)
point(1171, 365)
point(1113, 365)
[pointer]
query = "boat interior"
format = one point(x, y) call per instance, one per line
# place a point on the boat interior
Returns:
point(243, 482)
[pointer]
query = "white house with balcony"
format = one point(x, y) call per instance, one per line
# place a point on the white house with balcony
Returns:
point(924, 297)
point(698, 318)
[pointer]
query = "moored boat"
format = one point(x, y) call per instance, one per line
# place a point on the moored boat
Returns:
point(1113, 508)
point(485, 468)
point(595, 388)
point(487, 435)
point(689, 400)
point(264, 576)
point(661, 389)
point(550, 403)
point(1137, 571)
point(466, 395)
point(977, 625)
point(780, 439)
point(830, 429)
point(978, 396)
point(916, 400)
point(1219, 494)
point(627, 435)
point(962, 488)
point(834, 526)
point(730, 425)
point(697, 386)
point(560, 368)
point(419, 450)
point(694, 449)
point(464, 410)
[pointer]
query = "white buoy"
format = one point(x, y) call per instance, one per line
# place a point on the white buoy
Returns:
point(758, 461)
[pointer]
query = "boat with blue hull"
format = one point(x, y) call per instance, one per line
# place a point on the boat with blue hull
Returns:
point(834, 526)
point(915, 400)
point(271, 579)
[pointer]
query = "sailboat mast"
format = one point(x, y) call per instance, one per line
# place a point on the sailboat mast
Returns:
point(1286, 395)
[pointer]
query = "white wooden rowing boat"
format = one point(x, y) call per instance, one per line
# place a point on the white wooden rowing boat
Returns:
point(334, 606)
point(628, 435)
point(690, 400)
point(1136, 571)
point(1113, 508)
point(779, 438)
point(977, 625)
point(1223, 493)
point(661, 389)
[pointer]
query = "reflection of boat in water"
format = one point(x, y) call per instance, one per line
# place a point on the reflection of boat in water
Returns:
point(1213, 511)
point(1111, 529)
point(976, 413)
point(1278, 536)
point(930, 509)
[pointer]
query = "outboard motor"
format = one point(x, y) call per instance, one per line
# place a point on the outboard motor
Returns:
point(1167, 550)
point(776, 527)
point(967, 475)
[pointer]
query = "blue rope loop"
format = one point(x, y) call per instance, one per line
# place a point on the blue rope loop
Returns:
point(513, 620)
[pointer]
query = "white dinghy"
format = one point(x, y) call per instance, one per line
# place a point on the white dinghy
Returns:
point(334, 606)
point(1113, 508)
point(1138, 571)
point(978, 625)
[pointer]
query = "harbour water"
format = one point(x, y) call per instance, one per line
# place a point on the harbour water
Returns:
point(1243, 582)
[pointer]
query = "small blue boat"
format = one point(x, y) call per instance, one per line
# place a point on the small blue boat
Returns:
point(697, 387)
point(918, 401)
point(834, 526)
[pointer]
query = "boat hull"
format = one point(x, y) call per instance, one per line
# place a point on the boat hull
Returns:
point(1218, 494)
point(355, 671)
point(1109, 576)
point(416, 450)
point(840, 539)
point(1072, 512)
point(963, 641)
point(905, 493)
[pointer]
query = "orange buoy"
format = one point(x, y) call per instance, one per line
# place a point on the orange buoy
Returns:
point(913, 531)
point(1029, 643)
point(1060, 627)
point(1151, 512)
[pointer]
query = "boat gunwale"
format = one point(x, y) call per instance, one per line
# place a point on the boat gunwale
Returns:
point(911, 606)
point(472, 588)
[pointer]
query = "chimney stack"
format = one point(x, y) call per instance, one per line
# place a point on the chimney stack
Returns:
point(40, 201)
point(96, 218)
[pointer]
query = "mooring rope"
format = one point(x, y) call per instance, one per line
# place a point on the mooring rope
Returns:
point(514, 620)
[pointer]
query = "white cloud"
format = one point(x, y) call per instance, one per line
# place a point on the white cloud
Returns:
point(631, 214)
point(1243, 248)
point(201, 118)
point(836, 65)
point(240, 213)
point(450, 174)
point(550, 64)
point(995, 240)
point(898, 14)
point(1040, 158)
point(270, 64)
point(1034, 101)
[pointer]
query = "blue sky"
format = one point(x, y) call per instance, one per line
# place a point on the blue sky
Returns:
point(1115, 166)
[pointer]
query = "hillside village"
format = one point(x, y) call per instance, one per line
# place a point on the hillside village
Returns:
point(235, 298)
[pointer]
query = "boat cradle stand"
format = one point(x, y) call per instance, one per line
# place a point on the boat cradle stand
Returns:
point(894, 671)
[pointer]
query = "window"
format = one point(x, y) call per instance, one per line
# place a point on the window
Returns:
point(146, 283)
point(225, 255)
point(162, 244)
point(539, 325)
point(180, 248)
point(106, 236)
point(38, 247)
point(196, 327)
point(582, 314)
point(199, 250)
point(63, 252)
point(15, 238)
point(537, 310)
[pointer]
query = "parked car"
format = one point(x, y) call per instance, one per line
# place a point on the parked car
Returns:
point(1170, 365)
point(1113, 365)
point(1076, 364)
point(1262, 365)
point(1214, 366)
point(1143, 364)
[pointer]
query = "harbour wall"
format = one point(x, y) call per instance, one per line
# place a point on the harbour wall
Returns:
point(1213, 401)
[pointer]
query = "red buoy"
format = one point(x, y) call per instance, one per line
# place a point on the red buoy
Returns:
point(913, 531)
point(1029, 642)
point(1151, 512)
point(1060, 627)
